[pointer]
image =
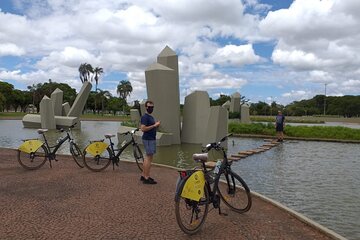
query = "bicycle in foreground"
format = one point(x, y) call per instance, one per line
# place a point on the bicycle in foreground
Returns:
point(98, 155)
point(33, 153)
point(200, 187)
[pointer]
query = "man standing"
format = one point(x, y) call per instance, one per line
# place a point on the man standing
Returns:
point(279, 125)
point(148, 126)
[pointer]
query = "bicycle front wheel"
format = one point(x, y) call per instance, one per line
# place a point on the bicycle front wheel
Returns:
point(190, 214)
point(34, 160)
point(99, 162)
point(77, 154)
point(139, 157)
point(234, 192)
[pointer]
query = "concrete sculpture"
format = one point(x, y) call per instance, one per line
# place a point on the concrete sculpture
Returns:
point(201, 124)
point(162, 83)
point(55, 114)
point(195, 117)
point(235, 102)
point(245, 113)
point(217, 126)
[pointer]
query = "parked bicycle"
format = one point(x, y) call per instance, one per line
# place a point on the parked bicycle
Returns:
point(98, 154)
point(33, 153)
point(199, 187)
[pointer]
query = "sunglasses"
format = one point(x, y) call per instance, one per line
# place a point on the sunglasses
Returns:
point(151, 107)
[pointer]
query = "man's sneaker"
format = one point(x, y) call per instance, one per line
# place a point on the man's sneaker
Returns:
point(142, 178)
point(149, 181)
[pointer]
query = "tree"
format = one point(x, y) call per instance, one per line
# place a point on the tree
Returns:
point(102, 96)
point(85, 71)
point(7, 91)
point(97, 72)
point(115, 104)
point(124, 89)
point(2, 102)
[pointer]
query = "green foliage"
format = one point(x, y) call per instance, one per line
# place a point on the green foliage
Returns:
point(288, 119)
point(124, 89)
point(253, 128)
point(130, 124)
point(319, 132)
point(234, 115)
point(2, 102)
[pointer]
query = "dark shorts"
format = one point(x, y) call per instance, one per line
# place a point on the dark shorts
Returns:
point(279, 127)
point(150, 146)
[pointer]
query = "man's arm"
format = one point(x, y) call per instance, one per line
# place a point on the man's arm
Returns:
point(147, 128)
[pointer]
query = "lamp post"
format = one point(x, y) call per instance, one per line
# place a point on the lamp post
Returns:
point(325, 100)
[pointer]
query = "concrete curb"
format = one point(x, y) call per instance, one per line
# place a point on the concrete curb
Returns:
point(297, 215)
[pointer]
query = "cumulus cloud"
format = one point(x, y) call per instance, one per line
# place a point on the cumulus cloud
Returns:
point(10, 49)
point(235, 55)
point(315, 42)
point(316, 36)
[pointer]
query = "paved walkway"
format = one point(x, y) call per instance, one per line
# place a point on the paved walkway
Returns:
point(66, 202)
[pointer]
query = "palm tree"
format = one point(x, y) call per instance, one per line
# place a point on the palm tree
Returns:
point(124, 89)
point(97, 71)
point(102, 95)
point(85, 71)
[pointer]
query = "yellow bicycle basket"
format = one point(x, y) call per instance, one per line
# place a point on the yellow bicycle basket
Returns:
point(30, 146)
point(194, 186)
point(96, 148)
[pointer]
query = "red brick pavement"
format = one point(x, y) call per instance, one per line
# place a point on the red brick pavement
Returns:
point(66, 202)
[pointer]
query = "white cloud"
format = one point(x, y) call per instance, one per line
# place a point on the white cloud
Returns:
point(316, 41)
point(235, 55)
point(11, 49)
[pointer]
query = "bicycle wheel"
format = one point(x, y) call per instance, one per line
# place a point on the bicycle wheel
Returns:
point(190, 214)
point(234, 192)
point(32, 161)
point(77, 154)
point(99, 162)
point(139, 157)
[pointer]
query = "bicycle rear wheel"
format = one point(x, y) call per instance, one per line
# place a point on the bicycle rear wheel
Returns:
point(99, 162)
point(139, 157)
point(77, 154)
point(190, 214)
point(234, 192)
point(32, 161)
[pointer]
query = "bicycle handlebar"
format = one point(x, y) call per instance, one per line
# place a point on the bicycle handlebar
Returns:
point(131, 132)
point(216, 145)
point(71, 127)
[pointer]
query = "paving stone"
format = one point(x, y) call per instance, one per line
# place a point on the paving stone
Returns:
point(67, 202)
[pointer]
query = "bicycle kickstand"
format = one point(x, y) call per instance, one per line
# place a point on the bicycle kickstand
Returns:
point(222, 213)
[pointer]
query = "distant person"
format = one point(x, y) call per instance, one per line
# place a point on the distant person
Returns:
point(279, 125)
point(148, 126)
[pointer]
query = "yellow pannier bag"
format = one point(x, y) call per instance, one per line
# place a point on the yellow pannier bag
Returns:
point(96, 148)
point(194, 186)
point(30, 146)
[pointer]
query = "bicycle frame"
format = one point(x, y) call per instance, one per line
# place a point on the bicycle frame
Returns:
point(51, 154)
point(120, 150)
point(213, 197)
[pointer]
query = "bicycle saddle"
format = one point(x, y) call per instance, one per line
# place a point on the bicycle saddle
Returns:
point(203, 157)
point(41, 131)
point(109, 135)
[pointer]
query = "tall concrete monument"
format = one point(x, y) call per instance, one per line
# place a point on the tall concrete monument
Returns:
point(195, 117)
point(235, 102)
point(162, 83)
point(201, 123)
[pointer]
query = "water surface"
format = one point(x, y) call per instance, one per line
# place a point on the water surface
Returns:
point(318, 179)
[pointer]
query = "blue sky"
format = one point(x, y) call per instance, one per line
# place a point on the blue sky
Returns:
point(268, 50)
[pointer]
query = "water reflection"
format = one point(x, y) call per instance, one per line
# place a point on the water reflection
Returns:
point(317, 179)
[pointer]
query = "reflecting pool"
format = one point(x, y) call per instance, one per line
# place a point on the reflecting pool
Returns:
point(318, 179)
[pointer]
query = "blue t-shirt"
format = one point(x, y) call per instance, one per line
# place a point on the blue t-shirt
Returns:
point(148, 120)
point(280, 120)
